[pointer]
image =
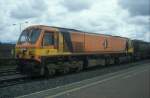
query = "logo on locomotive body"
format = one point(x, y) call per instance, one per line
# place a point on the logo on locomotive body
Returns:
point(105, 43)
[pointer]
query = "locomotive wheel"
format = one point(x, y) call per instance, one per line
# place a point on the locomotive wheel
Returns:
point(65, 70)
point(42, 71)
point(107, 61)
point(117, 60)
point(85, 63)
point(49, 72)
point(79, 68)
point(19, 68)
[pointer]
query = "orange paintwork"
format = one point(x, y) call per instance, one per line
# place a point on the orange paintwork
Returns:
point(38, 43)
point(96, 42)
point(82, 42)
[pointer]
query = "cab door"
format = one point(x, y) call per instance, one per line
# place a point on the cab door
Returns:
point(60, 42)
point(50, 42)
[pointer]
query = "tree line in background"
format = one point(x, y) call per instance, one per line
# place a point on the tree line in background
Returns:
point(6, 50)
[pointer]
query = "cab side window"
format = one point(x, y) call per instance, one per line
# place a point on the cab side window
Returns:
point(48, 39)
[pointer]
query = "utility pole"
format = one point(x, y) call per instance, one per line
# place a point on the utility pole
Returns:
point(149, 36)
point(20, 25)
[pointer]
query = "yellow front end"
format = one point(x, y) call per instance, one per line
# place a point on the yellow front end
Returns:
point(35, 53)
point(130, 47)
point(26, 53)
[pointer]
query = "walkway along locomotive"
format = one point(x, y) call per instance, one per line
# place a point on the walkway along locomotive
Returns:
point(45, 50)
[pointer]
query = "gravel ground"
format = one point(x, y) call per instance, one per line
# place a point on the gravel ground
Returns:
point(39, 84)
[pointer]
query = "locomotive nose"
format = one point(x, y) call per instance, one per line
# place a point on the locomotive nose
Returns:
point(21, 52)
point(24, 50)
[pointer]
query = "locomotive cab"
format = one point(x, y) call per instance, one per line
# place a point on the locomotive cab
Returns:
point(34, 43)
point(28, 41)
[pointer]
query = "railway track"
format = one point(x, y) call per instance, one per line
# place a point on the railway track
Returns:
point(10, 76)
point(9, 80)
point(8, 72)
point(7, 66)
point(14, 82)
point(18, 85)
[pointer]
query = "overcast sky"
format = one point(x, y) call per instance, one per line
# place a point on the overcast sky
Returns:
point(127, 18)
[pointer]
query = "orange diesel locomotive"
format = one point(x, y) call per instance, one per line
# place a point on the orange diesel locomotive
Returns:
point(44, 50)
